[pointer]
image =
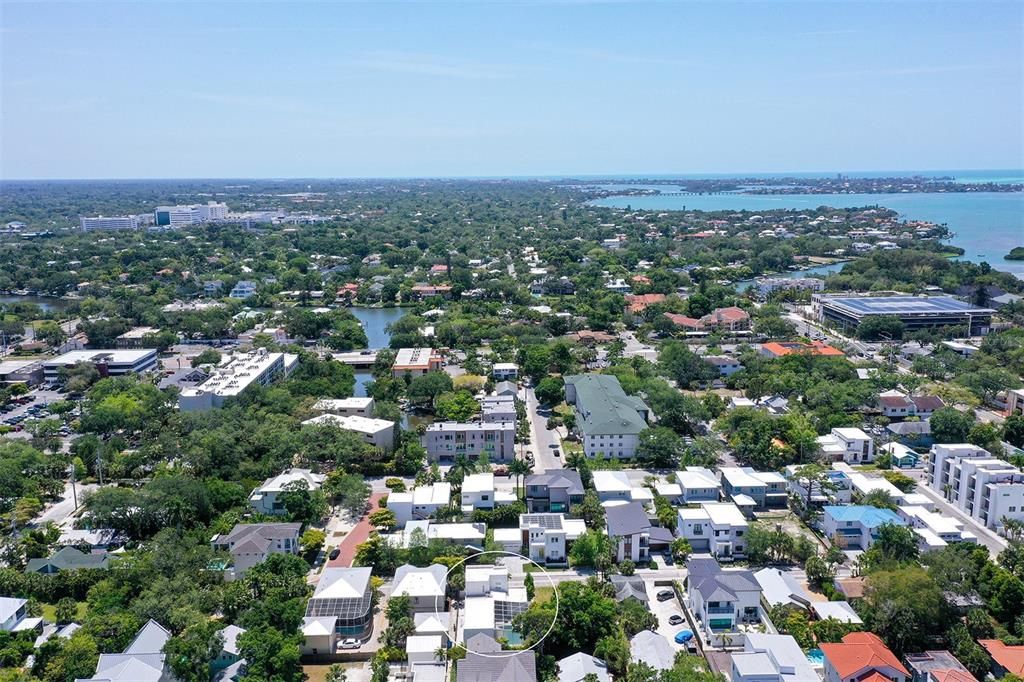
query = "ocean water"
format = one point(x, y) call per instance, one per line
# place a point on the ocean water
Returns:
point(985, 224)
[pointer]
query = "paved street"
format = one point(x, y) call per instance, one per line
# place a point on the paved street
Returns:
point(541, 439)
point(59, 512)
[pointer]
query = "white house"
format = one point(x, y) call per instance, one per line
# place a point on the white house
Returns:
point(14, 615)
point(855, 526)
point(142, 661)
point(264, 499)
point(718, 528)
point(698, 484)
point(765, 488)
point(771, 658)
point(505, 371)
point(612, 485)
point(380, 433)
point(547, 536)
point(847, 444)
point(478, 492)
point(420, 502)
point(490, 602)
point(425, 587)
point(359, 407)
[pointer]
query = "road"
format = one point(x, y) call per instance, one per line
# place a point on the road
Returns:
point(59, 512)
point(541, 439)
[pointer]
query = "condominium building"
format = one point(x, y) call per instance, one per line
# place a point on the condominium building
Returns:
point(766, 286)
point(359, 407)
point(235, 374)
point(380, 433)
point(498, 408)
point(984, 487)
point(109, 363)
point(447, 440)
point(113, 222)
point(609, 421)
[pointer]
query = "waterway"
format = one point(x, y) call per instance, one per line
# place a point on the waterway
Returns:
point(45, 303)
point(816, 271)
point(375, 322)
point(986, 225)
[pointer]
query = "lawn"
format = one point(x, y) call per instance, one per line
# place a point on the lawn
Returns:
point(50, 612)
point(543, 594)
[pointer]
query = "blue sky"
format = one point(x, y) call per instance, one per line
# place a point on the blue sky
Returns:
point(332, 89)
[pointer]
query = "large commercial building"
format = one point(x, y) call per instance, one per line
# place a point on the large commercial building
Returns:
point(446, 440)
point(984, 487)
point(112, 222)
point(109, 363)
point(28, 372)
point(915, 312)
point(179, 216)
point(235, 374)
point(609, 420)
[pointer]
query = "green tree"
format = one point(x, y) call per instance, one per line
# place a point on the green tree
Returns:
point(66, 610)
point(660, 447)
point(270, 655)
point(950, 425)
point(190, 653)
point(458, 406)
point(531, 589)
point(681, 550)
point(550, 390)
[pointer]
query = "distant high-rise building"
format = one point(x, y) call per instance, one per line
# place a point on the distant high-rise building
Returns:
point(116, 222)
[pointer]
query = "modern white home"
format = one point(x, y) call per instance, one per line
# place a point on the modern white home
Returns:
point(380, 433)
point(767, 489)
point(420, 502)
point(855, 526)
point(612, 485)
point(698, 484)
point(547, 537)
point(771, 658)
point(478, 492)
point(718, 528)
point(490, 603)
point(847, 444)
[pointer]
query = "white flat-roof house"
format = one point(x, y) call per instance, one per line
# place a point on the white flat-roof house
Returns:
point(547, 536)
point(490, 602)
point(264, 498)
point(934, 530)
point(478, 492)
point(699, 484)
point(847, 444)
point(233, 375)
point(420, 502)
point(380, 433)
point(505, 371)
point(359, 407)
point(839, 489)
point(447, 440)
point(718, 528)
point(771, 658)
point(612, 485)
point(109, 363)
point(416, 362)
point(498, 408)
point(456, 533)
point(984, 487)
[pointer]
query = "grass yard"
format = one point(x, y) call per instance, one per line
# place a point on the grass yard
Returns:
point(543, 594)
point(50, 612)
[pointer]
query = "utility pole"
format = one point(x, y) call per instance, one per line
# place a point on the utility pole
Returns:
point(74, 491)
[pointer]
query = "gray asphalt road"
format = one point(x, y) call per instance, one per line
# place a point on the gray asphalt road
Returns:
point(541, 439)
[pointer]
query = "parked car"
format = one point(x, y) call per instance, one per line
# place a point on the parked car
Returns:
point(334, 553)
point(665, 595)
point(683, 636)
point(349, 643)
point(675, 619)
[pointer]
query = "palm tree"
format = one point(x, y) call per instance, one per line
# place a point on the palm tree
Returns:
point(519, 468)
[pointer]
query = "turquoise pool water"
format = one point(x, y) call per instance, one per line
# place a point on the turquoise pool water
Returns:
point(513, 637)
point(816, 657)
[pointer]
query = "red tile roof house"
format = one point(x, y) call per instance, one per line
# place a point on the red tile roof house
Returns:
point(1005, 659)
point(636, 304)
point(862, 657)
point(684, 321)
point(730, 319)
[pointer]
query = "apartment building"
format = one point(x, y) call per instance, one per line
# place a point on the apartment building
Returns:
point(847, 444)
point(416, 362)
point(498, 408)
point(344, 407)
point(718, 528)
point(609, 421)
point(235, 374)
point(134, 337)
point(899, 405)
point(192, 214)
point(984, 487)
point(447, 440)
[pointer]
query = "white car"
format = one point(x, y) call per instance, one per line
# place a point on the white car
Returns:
point(349, 643)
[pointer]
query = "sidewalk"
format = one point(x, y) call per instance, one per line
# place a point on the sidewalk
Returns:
point(357, 536)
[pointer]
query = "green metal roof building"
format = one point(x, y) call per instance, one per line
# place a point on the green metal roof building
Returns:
point(608, 420)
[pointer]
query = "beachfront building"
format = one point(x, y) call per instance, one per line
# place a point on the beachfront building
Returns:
point(608, 420)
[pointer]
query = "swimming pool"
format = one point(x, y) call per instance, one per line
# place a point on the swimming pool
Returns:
point(816, 657)
point(510, 635)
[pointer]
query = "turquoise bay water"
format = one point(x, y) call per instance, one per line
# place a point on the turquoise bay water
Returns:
point(986, 224)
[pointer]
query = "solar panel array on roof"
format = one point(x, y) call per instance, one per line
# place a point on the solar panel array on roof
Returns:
point(903, 304)
point(545, 521)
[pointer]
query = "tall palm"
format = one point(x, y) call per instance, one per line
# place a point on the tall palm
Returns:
point(519, 468)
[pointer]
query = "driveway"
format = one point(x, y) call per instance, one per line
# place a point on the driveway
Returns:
point(357, 536)
point(663, 610)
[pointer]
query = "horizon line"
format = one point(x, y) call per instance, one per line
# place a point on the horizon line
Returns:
point(533, 176)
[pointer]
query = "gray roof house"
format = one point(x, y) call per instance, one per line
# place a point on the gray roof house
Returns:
point(484, 662)
point(142, 661)
point(68, 559)
point(629, 587)
point(577, 666)
point(251, 544)
point(555, 490)
point(722, 599)
point(506, 388)
point(653, 649)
